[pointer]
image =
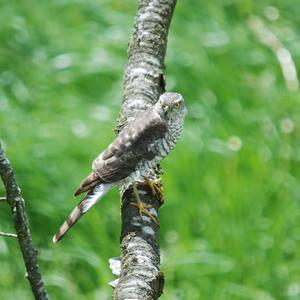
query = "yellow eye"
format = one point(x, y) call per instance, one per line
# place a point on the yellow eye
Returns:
point(177, 105)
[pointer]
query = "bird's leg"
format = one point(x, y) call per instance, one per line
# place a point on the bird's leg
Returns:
point(142, 207)
point(156, 188)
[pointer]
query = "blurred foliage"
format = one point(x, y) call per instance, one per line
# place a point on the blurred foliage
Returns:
point(230, 225)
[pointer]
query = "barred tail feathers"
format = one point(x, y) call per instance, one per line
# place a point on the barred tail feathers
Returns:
point(91, 198)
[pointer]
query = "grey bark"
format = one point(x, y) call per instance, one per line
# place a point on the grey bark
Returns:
point(16, 202)
point(140, 276)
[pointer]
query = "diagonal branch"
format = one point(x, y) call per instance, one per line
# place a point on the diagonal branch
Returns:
point(140, 276)
point(16, 202)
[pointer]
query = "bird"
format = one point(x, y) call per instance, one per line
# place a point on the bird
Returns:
point(137, 149)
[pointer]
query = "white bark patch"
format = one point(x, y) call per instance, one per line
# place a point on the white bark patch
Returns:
point(138, 71)
point(150, 15)
point(137, 224)
point(132, 284)
point(153, 212)
point(115, 265)
point(114, 283)
point(148, 230)
point(146, 218)
point(136, 104)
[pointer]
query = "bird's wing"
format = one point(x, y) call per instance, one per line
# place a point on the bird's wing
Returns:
point(88, 183)
point(121, 157)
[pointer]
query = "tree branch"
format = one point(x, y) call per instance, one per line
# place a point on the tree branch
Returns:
point(6, 234)
point(16, 202)
point(140, 277)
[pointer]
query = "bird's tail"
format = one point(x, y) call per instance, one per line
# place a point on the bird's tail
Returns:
point(91, 198)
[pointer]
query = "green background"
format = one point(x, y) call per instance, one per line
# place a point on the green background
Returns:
point(230, 225)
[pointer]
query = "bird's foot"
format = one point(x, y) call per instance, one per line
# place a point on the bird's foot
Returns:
point(143, 210)
point(142, 207)
point(156, 188)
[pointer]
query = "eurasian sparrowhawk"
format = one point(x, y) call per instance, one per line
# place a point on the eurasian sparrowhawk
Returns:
point(137, 149)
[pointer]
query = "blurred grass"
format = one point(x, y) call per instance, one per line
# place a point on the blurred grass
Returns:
point(230, 226)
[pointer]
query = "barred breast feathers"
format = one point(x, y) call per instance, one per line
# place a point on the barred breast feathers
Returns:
point(163, 146)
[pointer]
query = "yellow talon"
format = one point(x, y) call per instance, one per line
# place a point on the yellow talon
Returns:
point(156, 188)
point(142, 207)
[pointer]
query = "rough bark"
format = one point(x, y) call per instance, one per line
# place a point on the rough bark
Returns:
point(16, 202)
point(140, 276)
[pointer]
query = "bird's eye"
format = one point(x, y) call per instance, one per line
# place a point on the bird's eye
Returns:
point(177, 105)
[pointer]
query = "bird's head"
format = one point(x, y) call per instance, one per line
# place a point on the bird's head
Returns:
point(170, 106)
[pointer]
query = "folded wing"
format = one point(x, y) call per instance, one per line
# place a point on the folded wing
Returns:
point(131, 146)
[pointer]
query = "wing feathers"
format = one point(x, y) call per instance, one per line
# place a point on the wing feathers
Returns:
point(89, 182)
point(131, 146)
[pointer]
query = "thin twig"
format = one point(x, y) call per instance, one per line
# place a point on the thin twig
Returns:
point(3, 199)
point(12, 235)
point(21, 224)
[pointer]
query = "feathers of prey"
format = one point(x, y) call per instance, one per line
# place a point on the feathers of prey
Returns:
point(136, 150)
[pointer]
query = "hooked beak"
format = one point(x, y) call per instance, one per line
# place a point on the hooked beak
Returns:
point(166, 109)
